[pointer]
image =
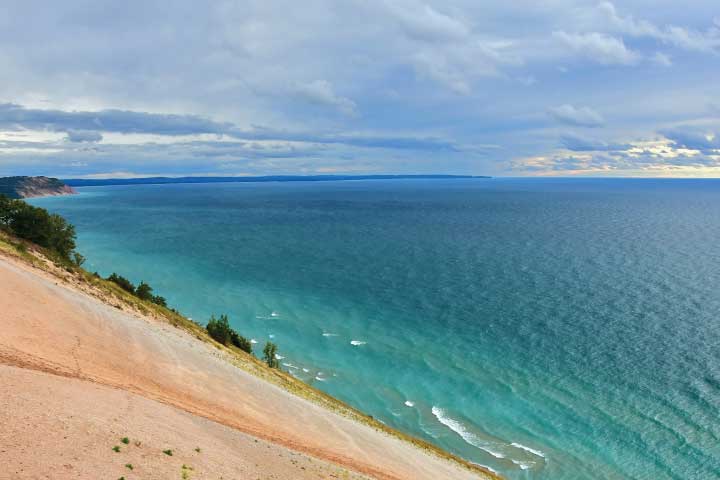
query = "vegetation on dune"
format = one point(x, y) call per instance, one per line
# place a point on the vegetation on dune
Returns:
point(143, 291)
point(270, 355)
point(40, 227)
point(221, 331)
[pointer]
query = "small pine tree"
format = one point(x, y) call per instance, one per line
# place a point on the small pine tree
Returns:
point(269, 353)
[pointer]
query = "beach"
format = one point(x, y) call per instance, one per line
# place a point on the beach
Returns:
point(78, 374)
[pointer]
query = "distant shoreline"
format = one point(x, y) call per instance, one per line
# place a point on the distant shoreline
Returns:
point(80, 182)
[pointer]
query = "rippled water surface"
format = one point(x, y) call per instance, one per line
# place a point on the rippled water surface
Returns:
point(547, 329)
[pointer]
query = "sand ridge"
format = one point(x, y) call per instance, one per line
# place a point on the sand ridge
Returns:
point(57, 332)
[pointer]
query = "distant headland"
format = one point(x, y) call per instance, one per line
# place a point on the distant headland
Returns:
point(26, 187)
point(272, 178)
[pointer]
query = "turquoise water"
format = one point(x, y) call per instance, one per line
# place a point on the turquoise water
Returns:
point(548, 329)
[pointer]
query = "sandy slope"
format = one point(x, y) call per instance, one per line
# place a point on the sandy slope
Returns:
point(72, 366)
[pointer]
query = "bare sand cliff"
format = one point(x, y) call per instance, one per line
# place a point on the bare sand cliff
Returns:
point(78, 373)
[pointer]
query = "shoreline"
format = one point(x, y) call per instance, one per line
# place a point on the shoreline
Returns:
point(335, 416)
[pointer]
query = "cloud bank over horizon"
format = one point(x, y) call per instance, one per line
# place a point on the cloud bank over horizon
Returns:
point(100, 89)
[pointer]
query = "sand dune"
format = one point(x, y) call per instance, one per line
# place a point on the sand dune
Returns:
point(77, 374)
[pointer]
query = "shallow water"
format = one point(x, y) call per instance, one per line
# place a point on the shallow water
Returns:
point(547, 329)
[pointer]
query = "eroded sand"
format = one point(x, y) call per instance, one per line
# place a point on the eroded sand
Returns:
point(77, 374)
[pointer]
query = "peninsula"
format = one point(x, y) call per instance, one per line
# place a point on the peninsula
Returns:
point(26, 187)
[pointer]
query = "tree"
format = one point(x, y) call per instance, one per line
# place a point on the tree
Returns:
point(269, 355)
point(144, 292)
point(219, 329)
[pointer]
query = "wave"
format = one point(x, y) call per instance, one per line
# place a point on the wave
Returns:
point(528, 449)
point(252, 340)
point(320, 379)
point(271, 335)
point(408, 403)
point(274, 314)
point(357, 342)
point(464, 433)
point(306, 370)
point(290, 365)
point(278, 357)
point(524, 465)
point(329, 334)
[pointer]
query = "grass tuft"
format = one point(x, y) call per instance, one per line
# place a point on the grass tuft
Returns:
point(116, 449)
point(125, 440)
point(168, 452)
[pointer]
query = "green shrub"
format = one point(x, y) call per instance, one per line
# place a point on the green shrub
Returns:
point(240, 342)
point(122, 282)
point(219, 329)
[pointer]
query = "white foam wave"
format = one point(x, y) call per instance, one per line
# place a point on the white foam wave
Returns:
point(357, 342)
point(278, 357)
point(306, 370)
point(408, 403)
point(290, 365)
point(320, 379)
point(252, 340)
point(274, 314)
point(528, 449)
point(464, 433)
point(271, 335)
point(326, 334)
point(524, 465)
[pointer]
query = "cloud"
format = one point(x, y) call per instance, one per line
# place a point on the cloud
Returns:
point(84, 136)
point(390, 85)
point(582, 144)
point(662, 59)
point(14, 117)
point(581, 116)
point(422, 22)
point(85, 126)
point(693, 139)
point(708, 41)
point(321, 92)
point(598, 47)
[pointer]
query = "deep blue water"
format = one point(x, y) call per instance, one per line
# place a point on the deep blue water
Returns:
point(549, 329)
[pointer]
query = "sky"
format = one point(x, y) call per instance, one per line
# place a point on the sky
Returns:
point(101, 89)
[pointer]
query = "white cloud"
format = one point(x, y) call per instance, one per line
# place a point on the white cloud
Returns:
point(682, 37)
point(662, 59)
point(423, 22)
point(581, 117)
point(598, 47)
point(322, 92)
